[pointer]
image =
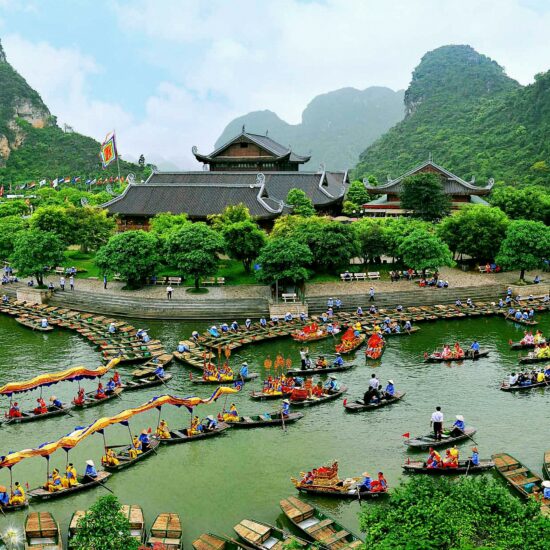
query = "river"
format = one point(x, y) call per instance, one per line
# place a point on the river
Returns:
point(213, 484)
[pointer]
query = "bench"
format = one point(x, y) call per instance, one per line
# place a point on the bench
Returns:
point(117, 277)
point(373, 275)
point(174, 280)
point(346, 276)
point(160, 281)
point(482, 269)
point(360, 276)
point(60, 270)
point(290, 297)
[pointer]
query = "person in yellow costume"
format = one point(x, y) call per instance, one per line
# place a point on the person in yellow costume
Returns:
point(194, 428)
point(109, 458)
point(137, 447)
point(17, 495)
point(54, 483)
point(70, 479)
point(162, 430)
point(232, 415)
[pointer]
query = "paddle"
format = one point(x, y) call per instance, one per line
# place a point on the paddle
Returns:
point(106, 488)
point(468, 468)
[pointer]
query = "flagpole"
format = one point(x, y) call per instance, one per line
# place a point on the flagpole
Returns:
point(116, 153)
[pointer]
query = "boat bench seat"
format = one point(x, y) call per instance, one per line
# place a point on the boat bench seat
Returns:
point(270, 542)
point(336, 537)
point(527, 480)
point(178, 433)
point(320, 525)
point(515, 472)
point(307, 523)
point(247, 419)
point(44, 541)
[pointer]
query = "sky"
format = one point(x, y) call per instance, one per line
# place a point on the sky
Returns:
point(167, 75)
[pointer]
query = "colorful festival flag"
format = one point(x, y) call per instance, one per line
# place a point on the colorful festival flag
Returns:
point(108, 150)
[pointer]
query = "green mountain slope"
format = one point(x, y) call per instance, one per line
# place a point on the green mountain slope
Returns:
point(335, 126)
point(472, 118)
point(32, 146)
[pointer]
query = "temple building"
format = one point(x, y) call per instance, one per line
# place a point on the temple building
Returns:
point(249, 169)
point(459, 190)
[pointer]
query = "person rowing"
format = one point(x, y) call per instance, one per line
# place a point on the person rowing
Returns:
point(159, 372)
point(332, 386)
point(15, 411)
point(55, 402)
point(90, 473)
point(458, 427)
point(474, 459)
point(474, 349)
point(285, 411)
point(389, 392)
point(338, 361)
point(211, 423)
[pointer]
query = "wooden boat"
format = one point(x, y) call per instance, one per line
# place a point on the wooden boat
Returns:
point(134, 514)
point(146, 382)
point(518, 387)
point(427, 441)
point(208, 541)
point(84, 483)
point(350, 342)
point(435, 358)
point(419, 467)
point(359, 405)
point(42, 532)
point(73, 526)
point(124, 456)
point(314, 332)
point(150, 366)
point(402, 332)
point(34, 324)
point(271, 419)
point(14, 507)
point(90, 400)
point(546, 465)
point(321, 528)
point(181, 435)
point(528, 360)
point(166, 532)
point(520, 478)
point(30, 416)
point(311, 401)
point(264, 536)
point(517, 346)
point(134, 357)
point(225, 380)
point(261, 396)
point(375, 348)
point(320, 370)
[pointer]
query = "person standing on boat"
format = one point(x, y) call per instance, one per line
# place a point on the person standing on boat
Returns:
point(437, 423)
point(18, 495)
point(285, 408)
point(91, 472)
point(303, 356)
point(243, 373)
point(374, 383)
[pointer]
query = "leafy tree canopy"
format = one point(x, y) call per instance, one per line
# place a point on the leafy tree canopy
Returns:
point(444, 514)
point(162, 224)
point(193, 249)
point(357, 194)
point(134, 255)
point(54, 219)
point(301, 203)
point(243, 242)
point(530, 202)
point(92, 227)
point(10, 226)
point(397, 229)
point(34, 250)
point(16, 207)
point(371, 238)
point(232, 214)
point(424, 196)
point(423, 250)
point(284, 258)
point(526, 245)
point(104, 527)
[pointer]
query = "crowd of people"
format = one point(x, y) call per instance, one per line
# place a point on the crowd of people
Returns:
point(528, 378)
point(375, 393)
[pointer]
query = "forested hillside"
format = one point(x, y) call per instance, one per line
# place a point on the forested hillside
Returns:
point(472, 118)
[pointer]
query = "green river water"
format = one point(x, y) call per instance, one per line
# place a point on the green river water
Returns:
point(213, 484)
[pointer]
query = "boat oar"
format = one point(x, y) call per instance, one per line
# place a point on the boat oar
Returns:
point(106, 488)
point(469, 437)
point(283, 420)
point(468, 468)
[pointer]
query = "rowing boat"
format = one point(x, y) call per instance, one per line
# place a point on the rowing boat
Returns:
point(320, 370)
point(520, 478)
point(464, 467)
point(150, 366)
point(134, 514)
point(263, 420)
point(359, 405)
point(84, 483)
point(437, 358)
point(146, 382)
point(427, 441)
point(181, 435)
point(264, 536)
point(166, 532)
point(546, 465)
point(14, 507)
point(311, 401)
point(34, 325)
point(350, 342)
point(42, 532)
point(324, 530)
point(125, 461)
point(521, 387)
point(226, 380)
point(90, 399)
point(30, 416)
point(73, 526)
point(412, 330)
point(528, 359)
point(208, 541)
point(260, 395)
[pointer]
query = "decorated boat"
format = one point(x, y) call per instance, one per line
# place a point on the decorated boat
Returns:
point(267, 419)
point(320, 370)
point(359, 404)
point(314, 400)
point(375, 347)
point(224, 379)
point(350, 342)
point(314, 332)
point(182, 435)
point(166, 532)
point(314, 524)
point(42, 532)
point(31, 416)
point(266, 537)
point(124, 458)
point(91, 399)
point(427, 441)
point(84, 483)
point(464, 468)
point(438, 357)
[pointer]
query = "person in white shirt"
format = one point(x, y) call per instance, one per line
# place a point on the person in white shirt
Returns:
point(513, 379)
point(303, 356)
point(169, 291)
point(437, 423)
point(374, 382)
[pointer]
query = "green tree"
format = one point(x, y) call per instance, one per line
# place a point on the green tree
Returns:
point(92, 227)
point(193, 249)
point(104, 527)
point(34, 250)
point(443, 514)
point(526, 246)
point(10, 227)
point(397, 229)
point(133, 255)
point(475, 230)
point(243, 242)
point(530, 202)
point(54, 219)
point(422, 250)
point(333, 245)
point(284, 259)
point(162, 224)
point(424, 196)
point(13, 208)
point(357, 194)
point(232, 214)
point(301, 203)
point(371, 238)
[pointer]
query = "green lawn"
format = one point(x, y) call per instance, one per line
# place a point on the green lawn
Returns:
point(75, 258)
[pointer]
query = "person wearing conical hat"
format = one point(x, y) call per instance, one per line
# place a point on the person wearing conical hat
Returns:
point(57, 403)
point(338, 361)
point(18, 495)
point(145, 439)
point(546, 489)
point(285, 408)
point(459, 426)
point(91, 472)
point(389, 392)
point(332, 385)
point(366, 484)
point(474, 459)
point(211, 423)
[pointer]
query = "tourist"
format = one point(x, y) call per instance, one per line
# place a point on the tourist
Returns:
point(41, 408)
point(4, 497)
point(80, 398)
point(162, 430)
point(62, 282)
point(57, 403)
point(90, 472)
point(513, 379)
point(169, 291)
point(379, 485)
point(137, 447)
point(71, 282)
point(18, 495)
point(437, 423)
point(104, 282)
point(458, 427)
point(211, 423)
point(371, 294)
point(15, 411)
point(100, 392)
point(346, 276)
point(51, 288)
point(374, 383)
point(303, 354)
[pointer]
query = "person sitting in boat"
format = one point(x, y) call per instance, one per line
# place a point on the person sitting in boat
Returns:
point(263, 322)
point(248, 324)
point(232, 415)
point(546, 489)
point(379, 485)
point(111, 386)
point(303, 317)
point(285, 408)
point(137, 447)
point(4, 497)
point(434, 459)
point(469, 303)
point(224, 327)
point(5, 299)
point(100, 392)
point(527, 339)
point(540, 377)
point(321, 362)
point(44, 323)
point(18, 495)
point(332, 385)
point(90, 472)
point(513, 379)
point(71, 478)
point(243, 372)
point(359, 311)
point(195, 427)
point(389, 392)
point(110, 458)
point(195, 336)
point(159, 372)
point(446, 353)
point(116, 379)
point(458, 302)
point(80, 398)
point(213, 330)
point(275, 320)
point(54, 482)
point(41, 408)
point(547, 372)
point(182, 348)
point(386, 329)
point(500, 303)
point(146, 338)
point(162, 430)
point(288, 316)
point(366, 484)
point(518, 316)
point(139, 334)
point(324, 317)
point(451, 460)
point(235, 326)
point(538, 338)
point(211, 423)
point(396, 328)
point(373, 310)
point(307, 364)
point(145, 440)
point(15, 411)
point(474, 348)
point(525, 316)
point(308, 479)
point(474, 459)
point(338, 361)
point(458, 427)
point(407, 326)
point(57, 403)
point(112, 328)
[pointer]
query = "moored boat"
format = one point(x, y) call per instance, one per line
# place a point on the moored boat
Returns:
point(520, 478)
point(264, 536)
point(181, 435)
point(42, 532)
point(134, 514)
point(150, 366)
point(33, 324)
point(324, 530)
point(146, 382)
point(464, 467)
point(166, 532)
point(73, 526)
point(546, 465)
point(208, 541)
point(359, 404)
point(124, 458)
point(268, 419)
point(427, 441)
point(84, 483)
